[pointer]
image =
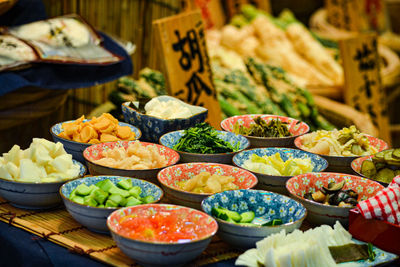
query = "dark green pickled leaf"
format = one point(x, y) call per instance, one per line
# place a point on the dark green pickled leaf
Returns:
point(350, 252)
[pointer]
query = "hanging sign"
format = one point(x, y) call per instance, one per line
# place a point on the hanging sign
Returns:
point(344, 14)
point(186, 63)
point(363, 87)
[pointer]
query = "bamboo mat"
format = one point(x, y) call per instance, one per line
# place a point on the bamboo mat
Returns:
point(56, 225)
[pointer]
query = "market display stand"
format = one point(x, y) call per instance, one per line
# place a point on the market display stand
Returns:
point(57, 225)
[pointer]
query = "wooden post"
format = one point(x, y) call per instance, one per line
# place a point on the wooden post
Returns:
point(363, 87)
point(186, 63)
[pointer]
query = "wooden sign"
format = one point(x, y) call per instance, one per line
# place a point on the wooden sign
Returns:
point(186, 63)
point(358, 15)
point(363, 87)
point(344, 14)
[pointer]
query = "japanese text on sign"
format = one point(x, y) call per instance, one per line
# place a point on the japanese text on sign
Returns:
point(186, 61)
point(363, 89)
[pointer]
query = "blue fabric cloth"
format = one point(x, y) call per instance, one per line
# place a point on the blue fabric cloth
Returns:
point(19, 248)
point(58, 76)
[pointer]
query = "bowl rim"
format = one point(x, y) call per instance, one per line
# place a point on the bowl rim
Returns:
point(199, 154)
point(298, 139)
point(362, 159)
point(327, 173)
point(51, 183)
point(260, 226)
point(267, 138)
point(87, 144)
point(65, 198)
point(210, 235)
point(278, 148)
point(110, 168)
point(202, 163)
point(126, 104)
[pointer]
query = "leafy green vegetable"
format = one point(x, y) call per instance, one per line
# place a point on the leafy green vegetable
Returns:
point(261, 128)
point(273, 222)
point(204, 139)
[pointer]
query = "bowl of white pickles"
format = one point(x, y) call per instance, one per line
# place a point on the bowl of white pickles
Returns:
point(161, 115)
point(274, 166)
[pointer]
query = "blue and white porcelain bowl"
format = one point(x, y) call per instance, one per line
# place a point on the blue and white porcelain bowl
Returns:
point(153, 128)
point(76, 148)
point(34, 195)
point(267, 206)
point(95, 219)
point(172, 138)
point(278, 183)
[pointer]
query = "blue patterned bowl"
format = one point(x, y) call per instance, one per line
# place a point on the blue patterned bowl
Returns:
point(266, 205)
point(272, 182)
point(95, 219)
point(172, 138)
point(153, 128)
point(34, 195)
point(76, 148)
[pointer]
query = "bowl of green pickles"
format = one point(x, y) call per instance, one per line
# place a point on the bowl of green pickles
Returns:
point(91, 200)
point(381, 167)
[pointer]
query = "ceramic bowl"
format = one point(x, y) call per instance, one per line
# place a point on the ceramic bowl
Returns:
point(296, 128)
point(169, 178)
point(356, 167)
point(153, 253)
point(34, 195)
point(272, 182)
point(76, 148)
point(153, 128)
point(342, 164)
point(172, 138)
point(94, 152)
point(325, 214)
point(95, 219)
point(266, 206)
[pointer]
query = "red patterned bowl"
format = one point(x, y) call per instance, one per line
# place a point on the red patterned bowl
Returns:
point(94, 153)
point(296, 128)
point(356, 166)
point(169, 178)
point(162, 253)
point(325, 214)
point(342, 164)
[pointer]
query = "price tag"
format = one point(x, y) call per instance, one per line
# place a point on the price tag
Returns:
point(344, 14)
point(363, 87)
point(186, 63)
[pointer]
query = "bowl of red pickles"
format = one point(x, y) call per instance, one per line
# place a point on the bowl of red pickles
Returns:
point(161, 234)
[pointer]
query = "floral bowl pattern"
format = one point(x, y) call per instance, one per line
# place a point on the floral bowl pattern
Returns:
point(34, 195)
point(172, 138)
point(272, 182)
point(169, 178)
point(94, 152)
point(356, 167)
point(266, 206)
point(95, 219)
point(325, 214)
point(342, 164)
point(296, 128)
point(153, 128)
point(76, 148)
point(158, 253)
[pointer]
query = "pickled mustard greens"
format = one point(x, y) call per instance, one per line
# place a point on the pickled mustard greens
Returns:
point(274, 165)
point(105, 194)
point(261, 128)
point(334, 195)
point(203, 139)
point(352, 252)
point(383, 166)
point(345, 142)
